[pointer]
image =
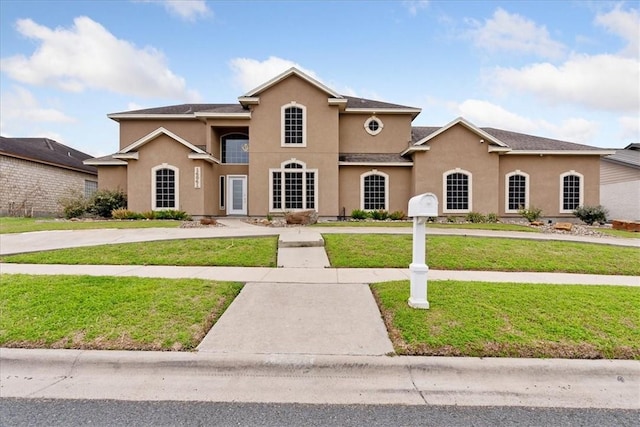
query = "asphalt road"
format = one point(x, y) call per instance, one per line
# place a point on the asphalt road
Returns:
point(48, 412)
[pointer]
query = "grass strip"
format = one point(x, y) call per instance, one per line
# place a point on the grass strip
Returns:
point(126, 313)
point(514, 320)
point(463, 226)
point(482, 253)
point(240, 252)
point(25, 225)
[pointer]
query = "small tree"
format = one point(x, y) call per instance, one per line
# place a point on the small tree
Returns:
point(591, 214)
point(531, 214)
point(103, 202)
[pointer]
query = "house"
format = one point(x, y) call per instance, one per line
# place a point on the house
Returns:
point(295, 144)
point(35, 173)
point(620, 183)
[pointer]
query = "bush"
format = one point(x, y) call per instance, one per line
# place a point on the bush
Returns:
point(125, 214)
point(532, 214)
point(475, 217)
point(591, 214)
point(379, 215)
point(149, 215)
point(359, 214)
point(74, 205)
point(452, 219)
point(397, 215)
point(492, 218)
point(103, 202)
point(172, 214)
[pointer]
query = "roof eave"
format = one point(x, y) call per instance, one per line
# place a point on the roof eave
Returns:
point(379, 164)
point(206, 157)
point(291, 71)
point(414, 148)
point(131, 116)
point(114, 162)
point(563, 152)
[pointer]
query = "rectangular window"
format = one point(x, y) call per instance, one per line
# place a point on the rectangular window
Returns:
point(277, 189)
point(235, 149)
point(457, 191)
point(165, 189)
point(517, 192)
point(570, 192)
point(223, 195)
point(293, 190)
point(311, 187)
point(293, 187)
point(374, 192)
point(90, 187)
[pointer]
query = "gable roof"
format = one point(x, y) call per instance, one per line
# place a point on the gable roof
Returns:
point(293, 71)
point(628, 156)
point(153, 135)
point(46, 151)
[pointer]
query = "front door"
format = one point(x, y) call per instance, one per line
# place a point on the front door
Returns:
point(236, 195)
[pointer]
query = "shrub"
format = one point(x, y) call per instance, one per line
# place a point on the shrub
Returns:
point(125, 214)
point(397, 215)
point(475, 217)
point(172, 214)
point(591, 214)
point(452, 219)
point(532, 214)
point(74, 205)
point(379, 215)
point(149, 215)
point(103, 202)
point(492, 218)
point(359, 214)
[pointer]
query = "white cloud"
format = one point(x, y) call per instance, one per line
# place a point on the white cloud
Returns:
point(251, 73)
point(601, 82)
point(189, 10)
point(20, 105)
point(87, 56)
point(624, 23)
point(629, 128)
point(413, 6)
point(487, 114)
point(514, 33)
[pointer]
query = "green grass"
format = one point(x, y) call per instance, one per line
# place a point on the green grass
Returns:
point(480, 226)
point(482, 253)
point(25, 225)
point(240, 252)
point(619, 233)
point(514, 320)
point(109, 313)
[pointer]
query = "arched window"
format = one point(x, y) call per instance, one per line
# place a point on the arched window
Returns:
point(293, 186)
point(457, 191)
point(516, 191)
point(164, 184)
point(571, 191)
point(294, 121)
point(374, 190)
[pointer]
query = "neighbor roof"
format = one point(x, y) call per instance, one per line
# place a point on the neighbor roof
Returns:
point(46, 151)
point(628, 156)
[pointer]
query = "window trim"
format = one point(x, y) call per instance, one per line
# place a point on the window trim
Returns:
point(581, 190)
point(222, 137)
point(304, 170)
point(506, 190)
point(373, 132)
point(469, 191)
point(386, 188)
point(282, 125)
point(154, 206)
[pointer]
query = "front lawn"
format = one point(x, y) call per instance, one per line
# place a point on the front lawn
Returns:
point(240, 252)
point(25, 225)
point(482, 253)
point(126, 313)
point(514, 320)
point(409, 224)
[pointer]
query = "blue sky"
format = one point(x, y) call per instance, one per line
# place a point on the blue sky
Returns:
point(561, 69)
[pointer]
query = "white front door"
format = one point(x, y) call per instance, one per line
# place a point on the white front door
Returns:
point(236, 195)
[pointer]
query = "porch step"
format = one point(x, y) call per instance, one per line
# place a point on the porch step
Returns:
point(301, 249)
point(300, 239)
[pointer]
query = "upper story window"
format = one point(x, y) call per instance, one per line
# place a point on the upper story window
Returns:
point(571, 191)
point(516, 191)
point(235, 148)
point(373, 125)
point(457, 191)
point(374, 190)
point(164, 184)
point(294, 121)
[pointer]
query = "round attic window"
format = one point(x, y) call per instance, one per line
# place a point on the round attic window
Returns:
point(373, 125)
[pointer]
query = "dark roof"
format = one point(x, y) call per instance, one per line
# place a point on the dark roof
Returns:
point(628, 156)
point(48, 151)
point(372, 158)
point(516, 141)
point(190, 109)
point(353, 102)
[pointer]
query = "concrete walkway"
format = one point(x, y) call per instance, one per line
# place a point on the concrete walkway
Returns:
point(304, 333)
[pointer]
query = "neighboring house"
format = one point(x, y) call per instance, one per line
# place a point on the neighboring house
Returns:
point(294, 143)
point(35, 173)
point(620, 183)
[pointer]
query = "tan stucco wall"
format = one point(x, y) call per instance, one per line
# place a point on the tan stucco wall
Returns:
point(458, 147)
point(350, 187)
point(544, 176)
point(394, 137)
point(191, 130)
point(321, 151)
point(112, 178)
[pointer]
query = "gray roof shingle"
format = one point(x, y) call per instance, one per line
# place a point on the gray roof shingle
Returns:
point(353, 102)
point(45, 150)
point(372, 158)
point(628, 156)
point(189, 109)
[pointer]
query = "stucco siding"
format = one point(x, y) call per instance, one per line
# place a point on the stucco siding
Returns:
point(191, 130)
point(112, 178)
point(394, 137)
point(351, 187)
point(31, 188)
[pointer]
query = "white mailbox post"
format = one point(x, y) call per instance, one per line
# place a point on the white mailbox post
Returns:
point(421, 207)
